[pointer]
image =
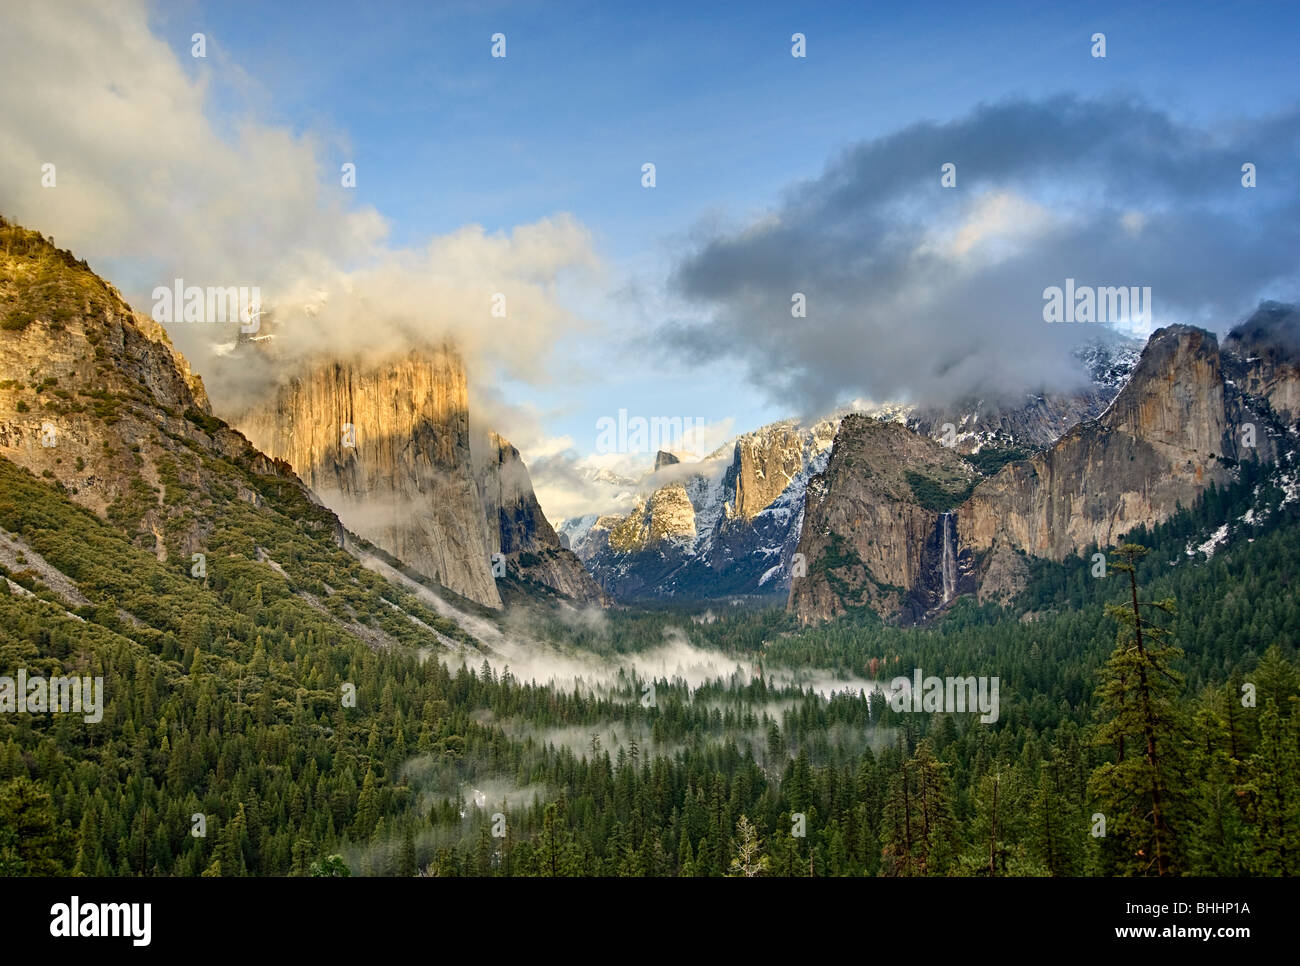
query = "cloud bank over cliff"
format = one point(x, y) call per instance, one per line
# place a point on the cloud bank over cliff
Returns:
point(915, 290)
point(194, 184)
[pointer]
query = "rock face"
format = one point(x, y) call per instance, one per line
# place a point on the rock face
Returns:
point(94, 398)
point(518, 529)
point(664, 458)
point(876, 531)
point(387, 447)
point(1165, 438)
point(726, 525)
point(666, 514)
point(1186, 416)
point(644, 549)
point(1034, 423)
point(748, 497)
point(508, 499)
point(762, 467)
point(1265, 358)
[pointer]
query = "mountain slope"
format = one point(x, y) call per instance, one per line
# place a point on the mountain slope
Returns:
point(725, 525)
point(100, 407)
point(1181, 423)
point(1039, 419)
point(873, 534)
point(1171, 431)
point(232, 680)
point(748, 498)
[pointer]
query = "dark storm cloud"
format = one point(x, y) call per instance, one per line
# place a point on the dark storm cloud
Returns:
point(930, 293)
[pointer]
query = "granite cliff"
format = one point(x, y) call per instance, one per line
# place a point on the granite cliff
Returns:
point(518, 529)
point(748, 498)
point(1184, 418)
point(387, 445)
point(874, 529)
point(724, 525)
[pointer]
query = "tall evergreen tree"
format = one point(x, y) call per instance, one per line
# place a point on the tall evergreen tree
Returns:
point(1139, 793)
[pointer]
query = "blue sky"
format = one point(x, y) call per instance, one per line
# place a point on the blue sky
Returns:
point(444, 135)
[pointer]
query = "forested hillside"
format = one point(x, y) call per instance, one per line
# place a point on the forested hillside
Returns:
point(224, 698)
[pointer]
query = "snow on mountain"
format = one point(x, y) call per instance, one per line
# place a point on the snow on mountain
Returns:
point(747, 501)
point(573, 531)
point(748, 495)
point(1110, 362)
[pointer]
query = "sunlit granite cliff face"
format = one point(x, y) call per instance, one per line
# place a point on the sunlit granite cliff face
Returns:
point(387, 446)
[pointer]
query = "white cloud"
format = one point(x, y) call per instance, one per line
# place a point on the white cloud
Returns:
point(156, 174)
point(992, 227)
point(571, 484)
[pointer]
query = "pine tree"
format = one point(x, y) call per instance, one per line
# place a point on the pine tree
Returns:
point(554, 842)
point(31, 840)
point(938, 824)
point(1058, 828)
point(1139, 793)
point(897, 856)
point(367, 807)
point(920, 829)
point(1271, 772)
point(406, 860)
point(1218, 843)
point(685, 858)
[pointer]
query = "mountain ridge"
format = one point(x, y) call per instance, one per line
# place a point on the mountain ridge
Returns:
point(1178, 425)
point(748, 496)
point(96, 400)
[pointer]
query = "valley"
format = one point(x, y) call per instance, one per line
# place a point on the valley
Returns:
point(505, 441)
point(347, 684)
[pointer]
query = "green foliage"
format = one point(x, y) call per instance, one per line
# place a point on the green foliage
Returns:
point(209, 424)
point(332, 866)
point(1140, 791)
point(32, 842)
point(990, 459)
point(41, 282)
point(223, 699)
point(933, 496)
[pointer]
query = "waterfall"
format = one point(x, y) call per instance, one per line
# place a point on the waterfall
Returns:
point(948, 566)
